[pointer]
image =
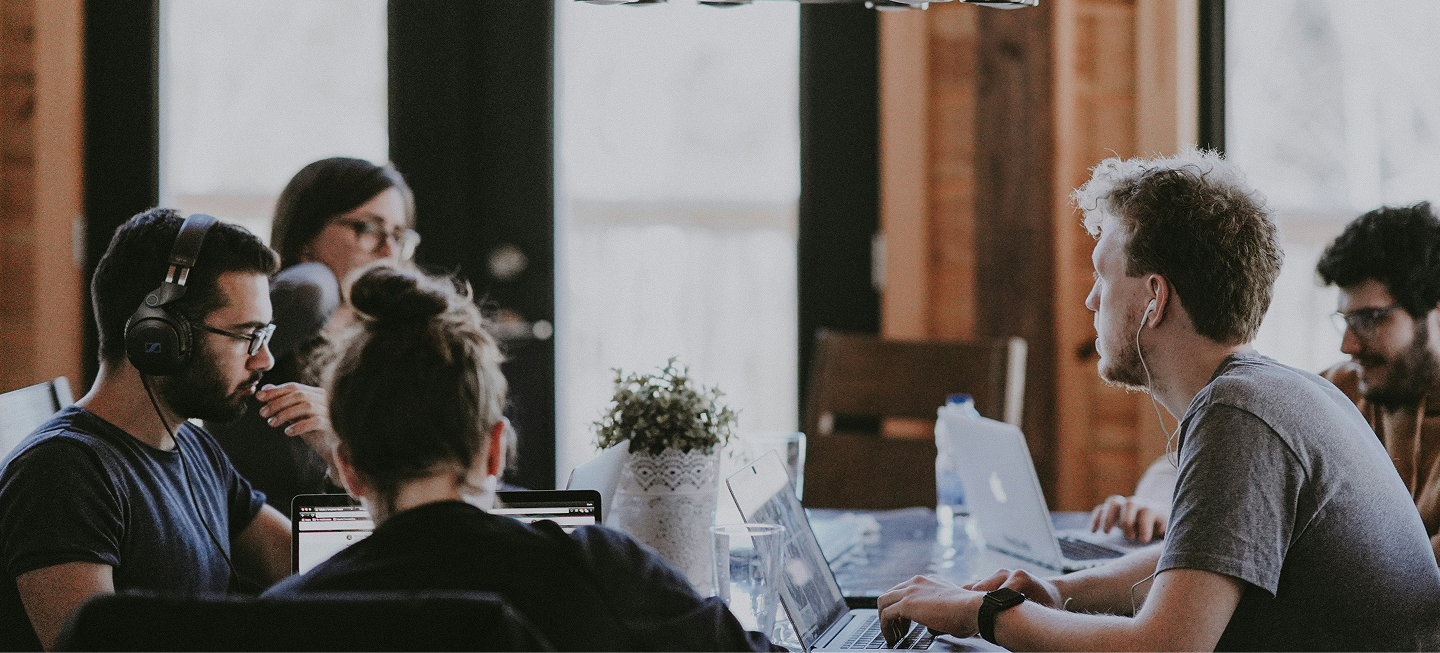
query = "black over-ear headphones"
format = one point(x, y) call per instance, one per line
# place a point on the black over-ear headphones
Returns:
point(157, 341)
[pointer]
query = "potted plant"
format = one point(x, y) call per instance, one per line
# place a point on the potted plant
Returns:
point(669, 483)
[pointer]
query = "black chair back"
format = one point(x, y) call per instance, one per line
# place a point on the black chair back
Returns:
point(348, 621)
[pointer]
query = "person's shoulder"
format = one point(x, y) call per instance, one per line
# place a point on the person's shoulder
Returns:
point(617, 555)
point(305, 274)
point(1247, 379)
point(73, 434)
point(1345, 376)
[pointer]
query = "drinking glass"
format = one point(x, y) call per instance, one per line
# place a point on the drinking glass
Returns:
point(748, 560)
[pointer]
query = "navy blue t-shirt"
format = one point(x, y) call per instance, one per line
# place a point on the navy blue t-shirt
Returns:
point(79, 489)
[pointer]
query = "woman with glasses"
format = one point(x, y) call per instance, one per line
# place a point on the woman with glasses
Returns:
point(336, 216)
point(416, 395)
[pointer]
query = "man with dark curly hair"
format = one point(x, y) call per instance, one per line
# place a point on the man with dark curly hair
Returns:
point(1289, 529)
point(1387, 265)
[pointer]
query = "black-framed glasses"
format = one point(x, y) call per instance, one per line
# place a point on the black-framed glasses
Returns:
point(405, 239)
point(1363, 321)
point(256, 339)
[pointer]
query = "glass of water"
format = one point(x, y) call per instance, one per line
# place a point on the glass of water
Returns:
point(748, 560)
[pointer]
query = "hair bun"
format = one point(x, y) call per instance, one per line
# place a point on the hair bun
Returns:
point(387, 294)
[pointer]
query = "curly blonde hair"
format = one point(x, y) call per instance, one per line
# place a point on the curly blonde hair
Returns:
point(1194, 220)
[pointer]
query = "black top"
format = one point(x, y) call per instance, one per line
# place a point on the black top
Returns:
point(305, 296)
point(79, 489)
point(595, 589)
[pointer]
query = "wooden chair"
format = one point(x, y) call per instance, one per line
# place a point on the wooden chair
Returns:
point(864, 376)
point(21, 411)
point(338, 621)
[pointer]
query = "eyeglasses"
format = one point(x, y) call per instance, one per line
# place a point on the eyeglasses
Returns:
point(1363, 321)
point(405, 239)
point(257, 339)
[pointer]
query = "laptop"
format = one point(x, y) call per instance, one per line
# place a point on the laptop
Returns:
point(601, 473)
point(1003, 495)
point(810, 593)
point(323, 524)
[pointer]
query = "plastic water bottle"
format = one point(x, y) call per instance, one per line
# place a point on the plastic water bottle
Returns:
point(949, 491)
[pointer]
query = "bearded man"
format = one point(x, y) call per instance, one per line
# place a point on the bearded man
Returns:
point(1387, 265)
point(121, 492)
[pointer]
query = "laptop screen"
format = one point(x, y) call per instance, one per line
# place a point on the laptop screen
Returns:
point(810, 593)
point(323, 524)
point(570, 509)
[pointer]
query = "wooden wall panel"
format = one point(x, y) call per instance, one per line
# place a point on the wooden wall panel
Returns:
point(953, 40)
point(1016, 108)
point(40, 190)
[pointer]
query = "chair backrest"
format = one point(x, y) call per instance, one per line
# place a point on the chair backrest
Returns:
point(341, 621)
point(21, 411)
point(865, 376)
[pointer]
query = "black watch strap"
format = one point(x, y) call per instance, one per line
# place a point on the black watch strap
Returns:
point(994, 603)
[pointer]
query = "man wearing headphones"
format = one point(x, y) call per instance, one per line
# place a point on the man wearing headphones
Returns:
point(119, 491)
point(1289, 530)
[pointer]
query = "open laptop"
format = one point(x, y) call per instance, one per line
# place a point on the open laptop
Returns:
point(323, 524)
point(1003, 494)
point(810, 593)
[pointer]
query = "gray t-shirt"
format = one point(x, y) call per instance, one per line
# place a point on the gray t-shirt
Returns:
point(1284, 486)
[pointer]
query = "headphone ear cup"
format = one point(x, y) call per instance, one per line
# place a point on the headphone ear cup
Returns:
point(157, 341)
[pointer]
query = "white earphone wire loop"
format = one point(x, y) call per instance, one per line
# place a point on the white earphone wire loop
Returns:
point(1170, 454)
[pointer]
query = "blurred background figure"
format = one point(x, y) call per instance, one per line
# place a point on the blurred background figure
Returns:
point(335, 216)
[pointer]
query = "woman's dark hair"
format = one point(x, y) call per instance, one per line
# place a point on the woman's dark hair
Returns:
point(415, 385)
point(1399, 246)
point(323, 190)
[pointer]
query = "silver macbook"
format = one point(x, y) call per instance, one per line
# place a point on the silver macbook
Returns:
point(323, 524)
point(810, 594)
point(1003, 494)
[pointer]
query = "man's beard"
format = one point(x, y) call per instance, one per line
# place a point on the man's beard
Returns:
point(1125, 368)
point(200, 391)
point(1410, 376)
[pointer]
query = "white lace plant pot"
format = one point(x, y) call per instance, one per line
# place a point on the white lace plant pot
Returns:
point(667, 501)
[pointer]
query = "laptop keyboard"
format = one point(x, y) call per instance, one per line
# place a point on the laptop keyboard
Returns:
point(919, 639)
point(1081, 550)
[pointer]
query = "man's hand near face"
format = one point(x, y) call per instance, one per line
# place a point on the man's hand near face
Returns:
point(303, 411)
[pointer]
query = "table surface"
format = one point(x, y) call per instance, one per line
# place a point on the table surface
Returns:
point(872, 551)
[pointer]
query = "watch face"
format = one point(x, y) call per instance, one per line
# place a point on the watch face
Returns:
point(1005, 597)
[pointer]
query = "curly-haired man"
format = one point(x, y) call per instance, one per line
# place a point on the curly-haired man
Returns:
point(1387, 265)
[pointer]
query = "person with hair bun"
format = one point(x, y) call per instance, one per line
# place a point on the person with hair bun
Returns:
point(334, 217)
point(415, 404)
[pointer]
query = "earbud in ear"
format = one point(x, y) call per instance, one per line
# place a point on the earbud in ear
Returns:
point(1148, 310)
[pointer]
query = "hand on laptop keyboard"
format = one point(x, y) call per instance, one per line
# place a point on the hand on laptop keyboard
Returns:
point(1037, 590)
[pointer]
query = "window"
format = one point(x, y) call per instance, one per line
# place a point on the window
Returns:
point(1332, 109)
point(252, 91)
point(678, 176)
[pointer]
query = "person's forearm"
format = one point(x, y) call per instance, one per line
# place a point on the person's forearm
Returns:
point(1108, 588)
point(1189, 611)
point(1033, 627)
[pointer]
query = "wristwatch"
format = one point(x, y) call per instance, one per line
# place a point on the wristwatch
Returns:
point(994, 603)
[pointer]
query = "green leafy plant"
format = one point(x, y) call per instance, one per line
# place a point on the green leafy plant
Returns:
point(659, 411)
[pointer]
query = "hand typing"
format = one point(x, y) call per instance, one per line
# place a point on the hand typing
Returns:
point(1037, 590)
point(942, 607)
point(1140, 519)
